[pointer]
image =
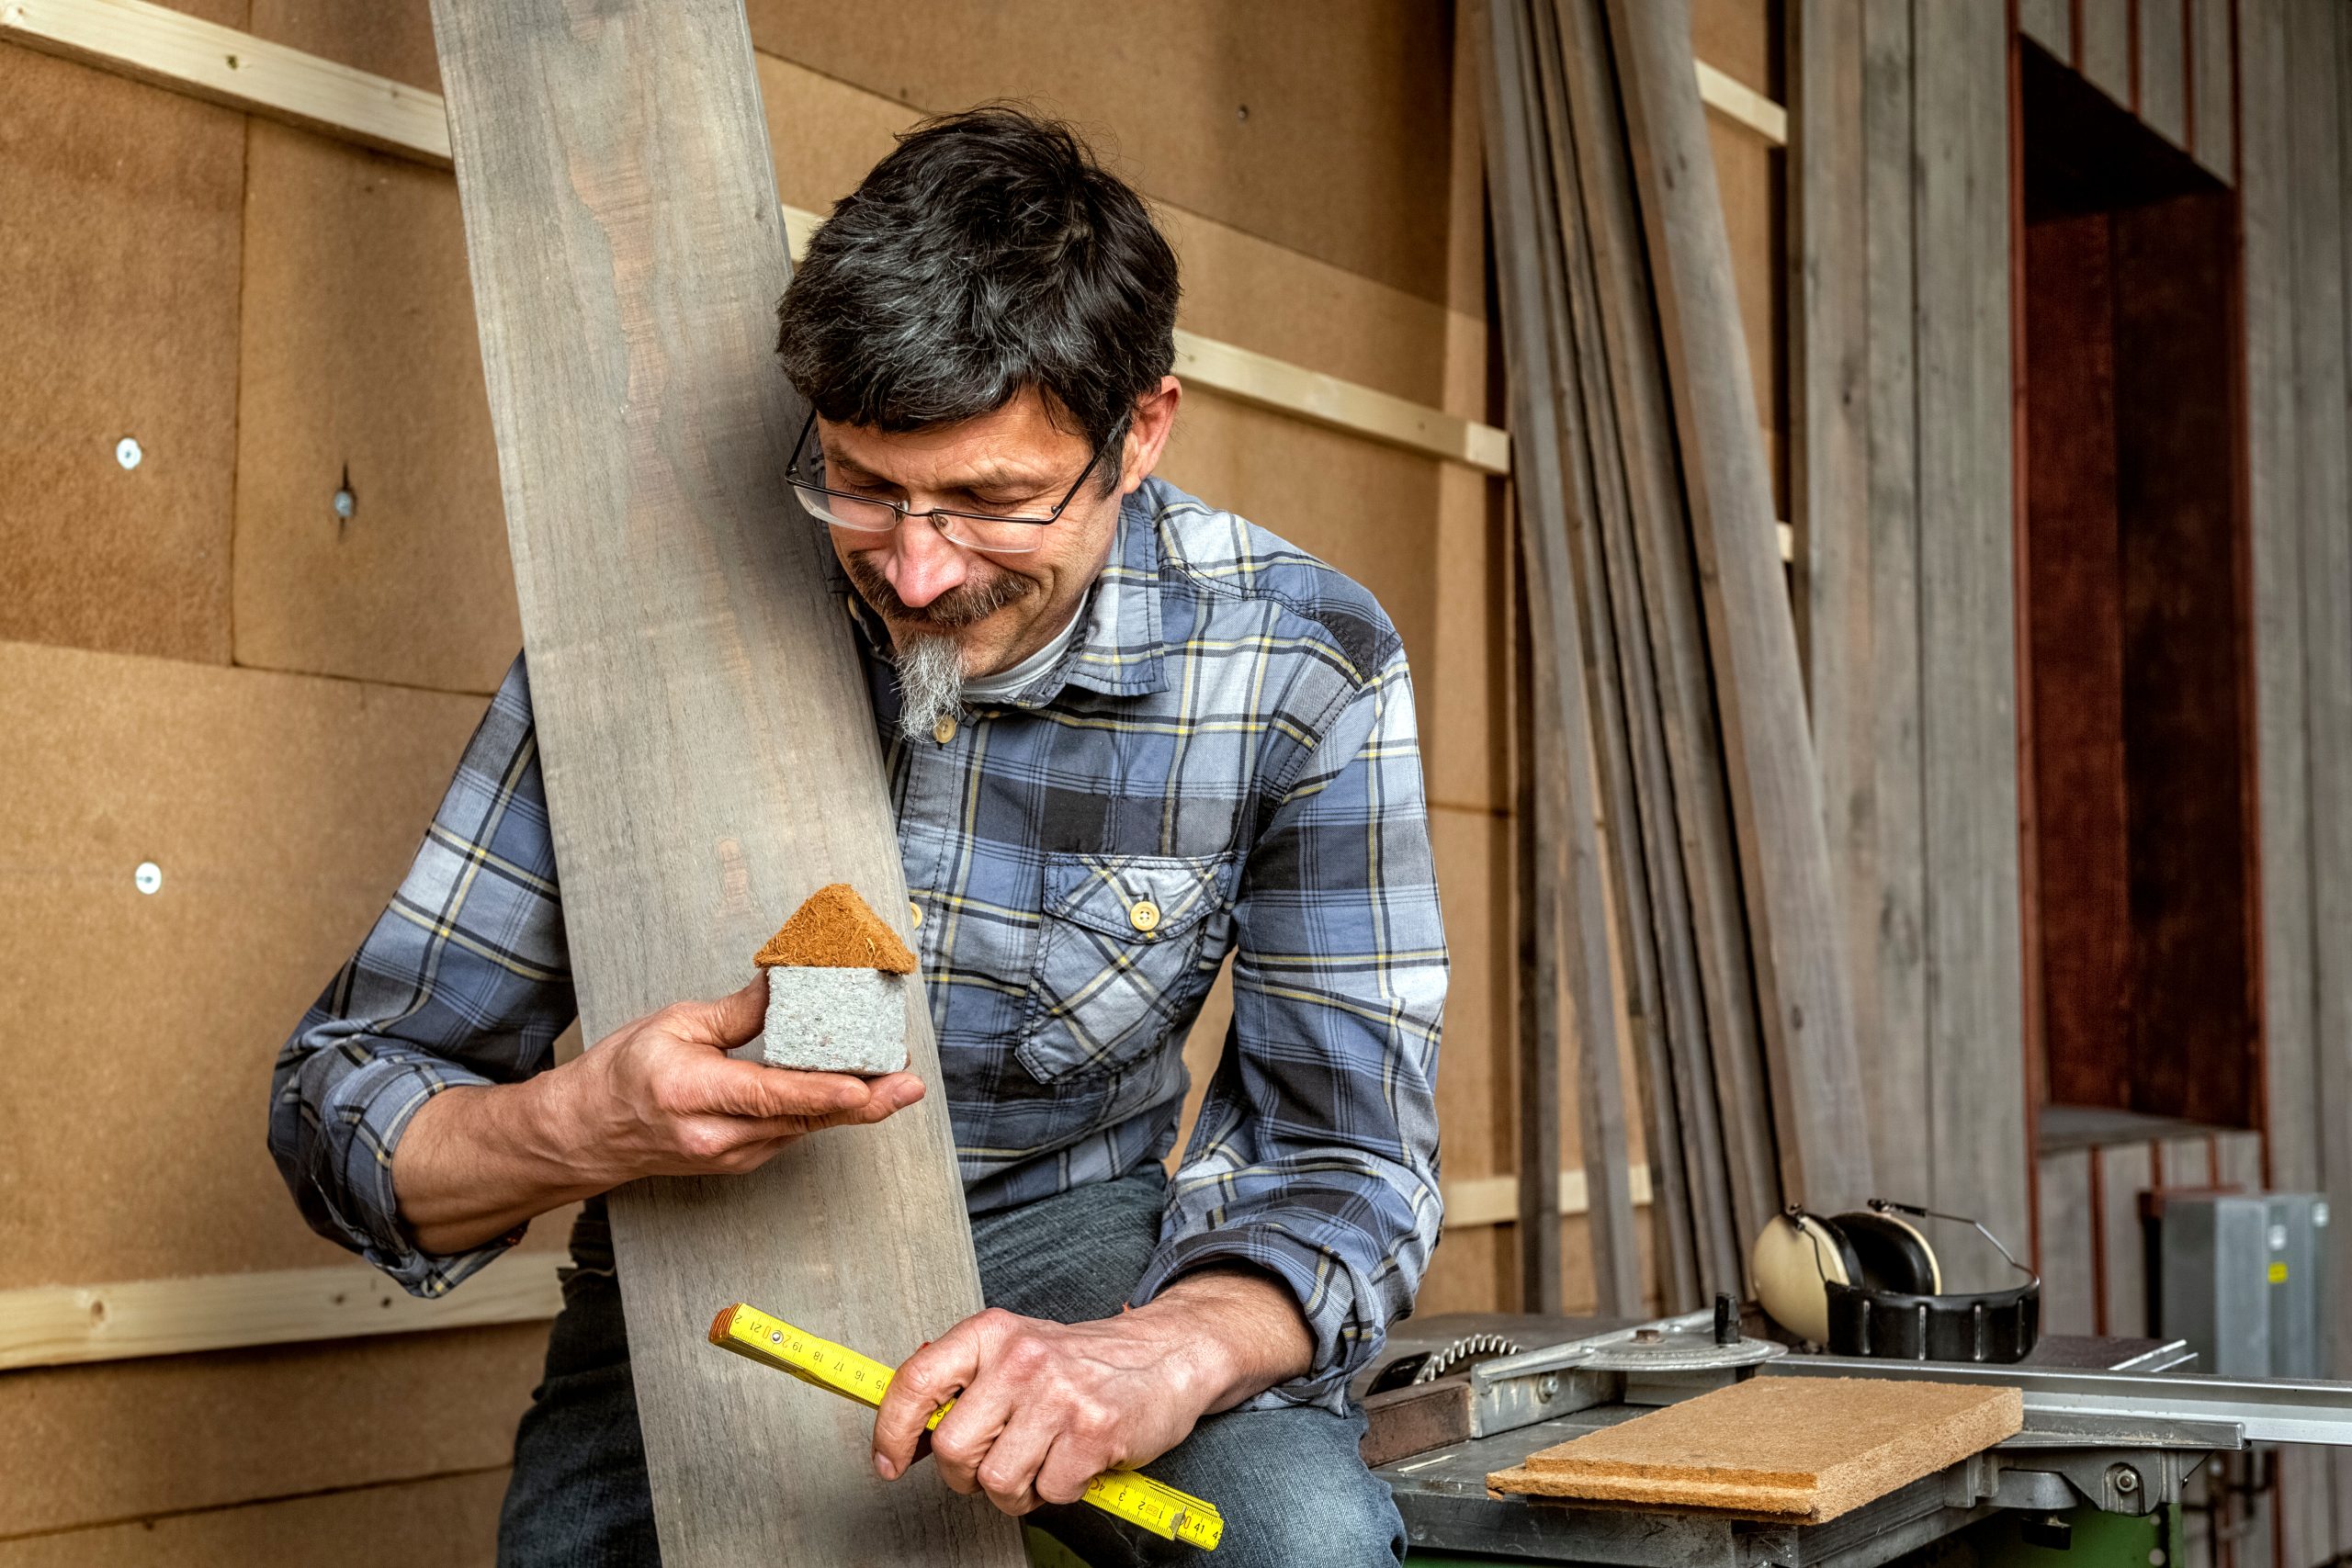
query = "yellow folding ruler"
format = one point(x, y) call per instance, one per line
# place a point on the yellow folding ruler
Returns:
point(1123, 1493)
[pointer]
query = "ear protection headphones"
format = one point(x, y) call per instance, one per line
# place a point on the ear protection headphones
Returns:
point(1868, 1283)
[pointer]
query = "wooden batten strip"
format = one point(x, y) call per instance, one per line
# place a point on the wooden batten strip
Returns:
point(1494, 1200)
point(1742, 105)
point(153, 44)
point(49, 1325)
point(57, 1326)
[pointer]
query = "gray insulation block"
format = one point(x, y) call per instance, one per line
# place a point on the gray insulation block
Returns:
point(833, 1021)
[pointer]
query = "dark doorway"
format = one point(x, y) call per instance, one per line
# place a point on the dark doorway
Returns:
point(2135, 625)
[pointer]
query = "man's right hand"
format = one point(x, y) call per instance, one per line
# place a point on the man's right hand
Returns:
point(657, 1097)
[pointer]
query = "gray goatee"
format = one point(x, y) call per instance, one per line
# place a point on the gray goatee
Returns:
point(931, 684)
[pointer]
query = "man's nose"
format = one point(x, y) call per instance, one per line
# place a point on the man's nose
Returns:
point(923, 564)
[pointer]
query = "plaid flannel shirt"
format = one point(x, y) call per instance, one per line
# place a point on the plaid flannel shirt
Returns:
point(1231, 737)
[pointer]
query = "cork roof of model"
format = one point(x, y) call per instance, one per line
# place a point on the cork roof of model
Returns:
point(834, 928)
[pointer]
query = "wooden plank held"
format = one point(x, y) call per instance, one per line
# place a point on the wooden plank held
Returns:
point(1776, 793)
point(627, 258)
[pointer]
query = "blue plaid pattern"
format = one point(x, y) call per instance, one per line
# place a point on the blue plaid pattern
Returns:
point(1230, 741)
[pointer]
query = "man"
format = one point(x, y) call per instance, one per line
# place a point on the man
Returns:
point(1125, 735)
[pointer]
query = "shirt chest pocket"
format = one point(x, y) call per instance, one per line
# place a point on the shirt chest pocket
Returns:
point(1122, 957)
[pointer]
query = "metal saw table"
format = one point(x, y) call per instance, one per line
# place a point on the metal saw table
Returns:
point(2113, 1424)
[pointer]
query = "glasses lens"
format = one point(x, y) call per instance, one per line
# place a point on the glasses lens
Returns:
point(847, 511)
point(997, 536)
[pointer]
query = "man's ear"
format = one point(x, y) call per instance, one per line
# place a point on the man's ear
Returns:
point(1147, 434)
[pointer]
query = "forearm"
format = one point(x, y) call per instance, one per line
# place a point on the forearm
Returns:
point(1242, 1331)
point(477, 1161)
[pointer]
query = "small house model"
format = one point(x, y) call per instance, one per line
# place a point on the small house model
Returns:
point(837, 989)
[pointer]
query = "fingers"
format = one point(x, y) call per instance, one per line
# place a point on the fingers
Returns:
point(928, 1379)
point(732, 1021)
point(725, 1087)
point(1008, 1471)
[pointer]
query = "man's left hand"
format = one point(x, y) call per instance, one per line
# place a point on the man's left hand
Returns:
point(1042, 1408)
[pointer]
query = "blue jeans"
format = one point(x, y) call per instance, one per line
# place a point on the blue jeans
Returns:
point(1289, 1483)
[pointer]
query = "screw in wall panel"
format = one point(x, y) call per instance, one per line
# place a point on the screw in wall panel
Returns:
point(148, 877)
point(127, 452)
point(347, 500)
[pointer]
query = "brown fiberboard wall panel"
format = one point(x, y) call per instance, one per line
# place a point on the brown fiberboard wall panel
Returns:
point(118, 235)
point(1740, 39)
point(388, 38)
point(444, 1521)
point(825, 134)
point(359, 358)
point(282, 811)
point(215, 1431)
point(1800, 1449)
point(1347, 120)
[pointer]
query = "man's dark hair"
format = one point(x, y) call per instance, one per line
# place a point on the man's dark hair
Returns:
point(987, 254)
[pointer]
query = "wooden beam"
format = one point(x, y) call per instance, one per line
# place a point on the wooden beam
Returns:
point(51, 1325)
point(704, 728)
point(1479, 1201)
point(1794, 925)
point(168, 48)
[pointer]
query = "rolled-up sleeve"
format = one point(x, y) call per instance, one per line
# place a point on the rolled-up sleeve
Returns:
point(463, 979)
point(1315, 1158)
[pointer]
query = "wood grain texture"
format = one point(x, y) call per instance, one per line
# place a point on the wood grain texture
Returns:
point(2065, 1256)
point(1728, 1070)
point(1890, 872)
point(1803, 997)
point(2163, 69)
point(1967, 621)
point(118, 235)
point(1568, 896)
point(2051, 24)
point(694, 687)
point(2103, 47)
point(2212, 85)
point(1829, 454)
point(1803, 1453)
point(2125, 1171)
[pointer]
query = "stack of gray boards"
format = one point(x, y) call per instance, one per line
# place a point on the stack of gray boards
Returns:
point(1661, 631)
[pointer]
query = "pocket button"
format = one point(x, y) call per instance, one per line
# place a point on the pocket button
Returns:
point(1145, 915)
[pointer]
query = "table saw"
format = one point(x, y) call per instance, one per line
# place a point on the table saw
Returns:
point(2114, 1430)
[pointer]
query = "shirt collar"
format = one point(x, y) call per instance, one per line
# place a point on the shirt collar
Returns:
point(1118, 651)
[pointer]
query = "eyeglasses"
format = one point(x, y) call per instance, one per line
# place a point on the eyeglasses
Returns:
point(997, 533)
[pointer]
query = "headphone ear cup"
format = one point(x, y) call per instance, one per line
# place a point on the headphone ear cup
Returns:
point(1890, 1254)
point(1795, 1259)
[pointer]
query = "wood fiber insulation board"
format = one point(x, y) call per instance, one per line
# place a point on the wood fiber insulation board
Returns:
point(393, 39)
point(217, 1430)
point(1785, 859)
point(118, 235)
point(281, 810)
point(443, 1521)
point(696, 695)
point(1347, 114)
point(360, 357)
point(1800, 1449)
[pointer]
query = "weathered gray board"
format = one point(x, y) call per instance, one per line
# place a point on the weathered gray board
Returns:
point(708, 745)
point(2295, 160)
point(1571, 900)
point(1784, 861)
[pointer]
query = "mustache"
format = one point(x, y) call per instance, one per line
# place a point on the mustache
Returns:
point(959, 607)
